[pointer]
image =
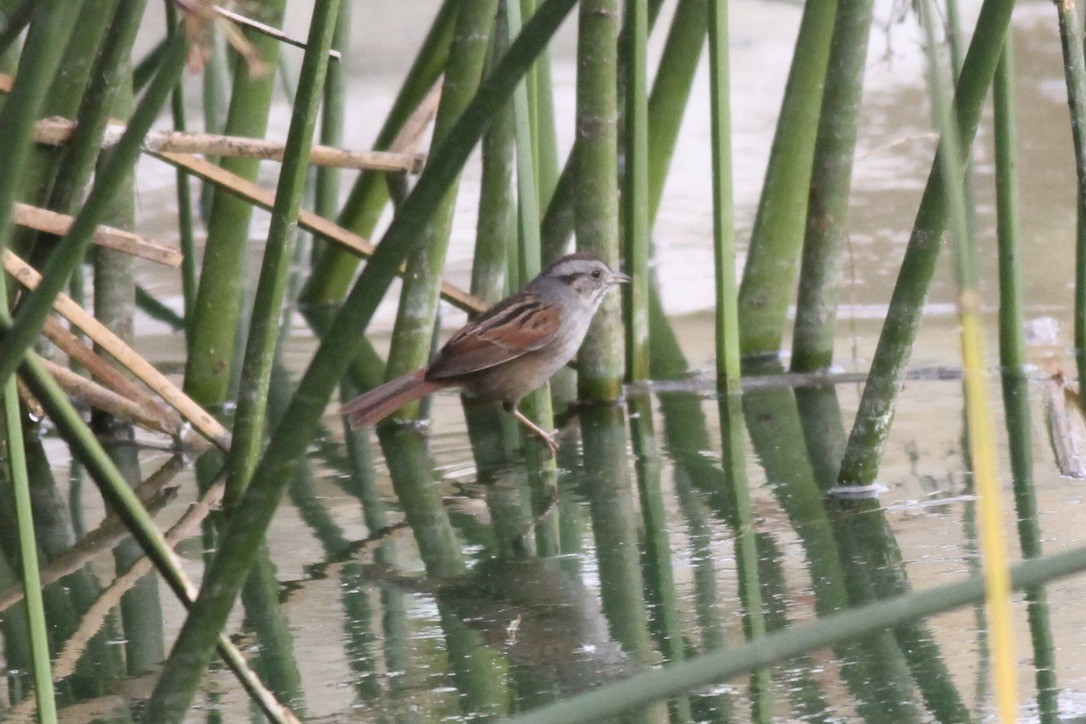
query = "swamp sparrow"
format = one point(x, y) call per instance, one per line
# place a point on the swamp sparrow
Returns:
point(510, 349)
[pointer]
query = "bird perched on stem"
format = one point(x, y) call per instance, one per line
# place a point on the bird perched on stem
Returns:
point(510, 349)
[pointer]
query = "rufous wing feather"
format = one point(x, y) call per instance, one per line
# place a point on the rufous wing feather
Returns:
point(523, 323)
point(371, 407)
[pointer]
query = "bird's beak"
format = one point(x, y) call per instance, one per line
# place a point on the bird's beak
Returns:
point(619, 278)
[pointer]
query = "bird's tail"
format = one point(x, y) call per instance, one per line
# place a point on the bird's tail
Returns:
point(380, 402)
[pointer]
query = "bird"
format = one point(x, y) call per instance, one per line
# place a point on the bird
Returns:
point(511, 349)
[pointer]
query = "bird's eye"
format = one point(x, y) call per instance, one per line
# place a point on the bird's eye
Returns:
point(596, 273)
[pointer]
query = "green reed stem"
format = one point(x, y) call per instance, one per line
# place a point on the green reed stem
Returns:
point(268, 302)
point(1013, 360)
point(982, 449)
point(497, 202)
point(1075, 74)
point(184, 193)
point(661, 593)
point(831, 181)
point(65, 98)
point(69, 251)
point(614, 527)
point(826, 631)
point(28, 551)
point(45, 41)
point(109, 74)
point(537, 405)
point(213, 328)
point(326, 186)
point(635, 191)
point(335, 267)
point(600, 361)
point(544, 130)
point(727, 330)
point(412, 334)
point(870, 430)
point(17, 20)
point(773, 258)
point(246, 527)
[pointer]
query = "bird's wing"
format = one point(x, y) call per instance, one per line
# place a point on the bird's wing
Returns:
point(520, 324)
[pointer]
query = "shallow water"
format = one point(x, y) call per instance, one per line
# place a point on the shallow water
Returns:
point(444, 580)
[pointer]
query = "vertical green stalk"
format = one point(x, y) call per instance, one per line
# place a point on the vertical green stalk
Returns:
point(497, 202)
point(217, 313)
point(412, 334)
point(670, 91)
point(65, 98)
point(872, 424)
point(326, 189)
point(115, 306)
point(184, 194)
point(770, 272)
point(45, 41)
point(267, 305)
point(28, 548)
point(537, 405)
point(978, 417)
point(1075, 74)
point(831, 180)
point(334, 267)
point(544, 132)
point(635, 192)
point(727, 333)
point(213, 94)
point(1012, 355)
point(109, 73)
point(69, 251)
point(601, 359)
point(660, 590)
point(614, 528)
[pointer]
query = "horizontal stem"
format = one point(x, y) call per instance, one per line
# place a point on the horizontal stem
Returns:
point(109, 237)
point(307, 220)
point(58, 131)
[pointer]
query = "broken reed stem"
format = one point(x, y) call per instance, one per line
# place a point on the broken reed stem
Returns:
point(270, 31)
point(106, 373)
point(57, 131)
point(307, 220)
point(109, 237)
point(207, 425)
point(105, 399)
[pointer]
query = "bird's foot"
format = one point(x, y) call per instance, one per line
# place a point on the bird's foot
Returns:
point(545, 437)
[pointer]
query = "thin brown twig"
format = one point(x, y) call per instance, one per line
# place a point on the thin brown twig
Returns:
point(268, 30)
point(105, 373)
point(52, 222)
point(103, 398)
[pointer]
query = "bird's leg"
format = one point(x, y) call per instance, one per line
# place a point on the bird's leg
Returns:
point(543, 435)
